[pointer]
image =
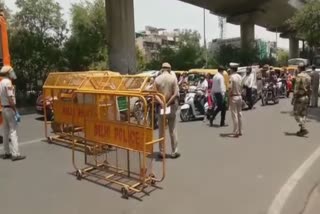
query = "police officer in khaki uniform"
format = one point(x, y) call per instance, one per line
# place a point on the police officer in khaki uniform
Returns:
point(301, 98)
point(167, 84)
point(235, 100)
point(10, 115)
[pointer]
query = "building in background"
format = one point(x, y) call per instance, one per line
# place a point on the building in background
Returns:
point(265, 49)
point(153, 39)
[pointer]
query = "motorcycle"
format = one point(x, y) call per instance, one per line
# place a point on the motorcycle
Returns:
point(192, 109)
point(282, 87)
point(245, 98)
point(269, 93)
point(138, 112)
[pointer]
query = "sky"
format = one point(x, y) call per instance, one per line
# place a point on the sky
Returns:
point(172, 14)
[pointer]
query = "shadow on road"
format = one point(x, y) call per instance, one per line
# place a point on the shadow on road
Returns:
point(40, 119)
point(156, 156)
point(314, 114)
point(287, 112)
point(229, 135)
point(294, 134)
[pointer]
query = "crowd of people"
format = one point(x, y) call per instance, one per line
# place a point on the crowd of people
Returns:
point(227, 94)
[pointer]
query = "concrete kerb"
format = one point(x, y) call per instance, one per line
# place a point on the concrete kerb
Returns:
point(27, 110)
point(300, 196)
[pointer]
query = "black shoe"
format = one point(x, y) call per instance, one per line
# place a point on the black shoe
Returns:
point(302, 133)
point(17, 158)
point(175, 155)
point(6, 156)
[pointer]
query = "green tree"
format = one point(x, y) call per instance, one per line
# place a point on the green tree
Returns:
point(190, 53)
point(306, 23)
point(282, 57)
point(186, 54)
point(37, 32)
point(226, 54)
point(141, 64)
point(87, 46)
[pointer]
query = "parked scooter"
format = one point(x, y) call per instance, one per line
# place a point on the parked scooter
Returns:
point(269, 93)
point(192, 109)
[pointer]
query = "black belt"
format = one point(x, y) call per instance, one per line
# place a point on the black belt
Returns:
point(6, 106)
point(235, 95)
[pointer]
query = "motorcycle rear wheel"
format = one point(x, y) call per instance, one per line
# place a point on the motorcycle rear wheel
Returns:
point(184, 115)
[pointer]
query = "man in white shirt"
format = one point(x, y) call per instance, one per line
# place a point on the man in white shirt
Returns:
point(202, 84)
point(10, 115)
point(248, 84)
point(219, 93)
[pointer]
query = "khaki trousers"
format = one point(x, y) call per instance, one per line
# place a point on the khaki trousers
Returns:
point(172, 123)
point(236, 113)
point(10, 131)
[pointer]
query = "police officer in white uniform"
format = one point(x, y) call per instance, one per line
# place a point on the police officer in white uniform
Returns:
point(10, 115)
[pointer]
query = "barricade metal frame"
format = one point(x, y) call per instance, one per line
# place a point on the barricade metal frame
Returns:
point(124, 86)
point(60, 87)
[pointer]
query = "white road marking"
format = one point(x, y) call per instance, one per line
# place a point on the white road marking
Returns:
point(286, 190)
point(27, 142)
point(32, 141)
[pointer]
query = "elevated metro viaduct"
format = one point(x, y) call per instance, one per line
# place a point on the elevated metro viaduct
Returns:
point(270, 14)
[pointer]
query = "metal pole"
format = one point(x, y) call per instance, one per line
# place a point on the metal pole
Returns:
point(276, 37)
point(276, 43)
point(2, 5)
point(204, 37)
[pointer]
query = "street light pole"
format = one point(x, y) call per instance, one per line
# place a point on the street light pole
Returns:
point(204, 37)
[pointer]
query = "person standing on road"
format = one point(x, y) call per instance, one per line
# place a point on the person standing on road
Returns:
point(10, 115)
point(235, 100)
point(167, 84)
point(315, 87)
point(219, 93)
point(301, 98)
point(248, 84)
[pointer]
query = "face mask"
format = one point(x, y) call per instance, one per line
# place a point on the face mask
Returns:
point(12, 75)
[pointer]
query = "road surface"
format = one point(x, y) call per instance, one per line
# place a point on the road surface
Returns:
point(214, 174)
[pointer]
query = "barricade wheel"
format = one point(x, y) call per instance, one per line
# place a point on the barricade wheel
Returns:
point(125, 192)
point(153, 181)
point(79, 174)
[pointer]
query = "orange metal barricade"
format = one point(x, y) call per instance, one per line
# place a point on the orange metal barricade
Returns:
point(123, 147)
point(60, 88)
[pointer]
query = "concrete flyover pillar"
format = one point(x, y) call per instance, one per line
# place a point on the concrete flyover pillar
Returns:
point(121, 36)
point(293, 48)
point(247, 35)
